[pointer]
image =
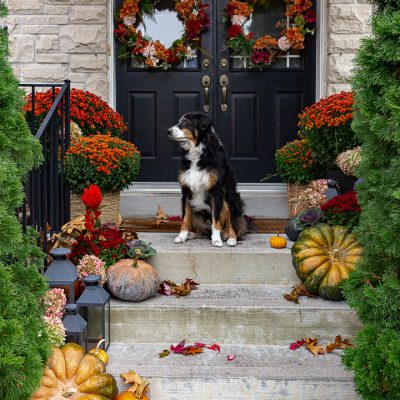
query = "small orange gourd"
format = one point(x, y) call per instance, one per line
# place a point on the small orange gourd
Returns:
point(100, 352)
point(278, 242)
point(127, 395)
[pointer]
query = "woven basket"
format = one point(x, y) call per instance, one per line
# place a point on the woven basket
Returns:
point(109, 207)
point(294, 191)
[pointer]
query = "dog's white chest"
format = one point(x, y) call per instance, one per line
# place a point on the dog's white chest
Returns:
point(198, 182)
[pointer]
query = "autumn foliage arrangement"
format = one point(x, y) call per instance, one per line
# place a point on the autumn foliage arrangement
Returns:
point(295, 162)
point(109, 162)
point(89, 112)
point(297, 22)
point(152, 53)
point(327, 127)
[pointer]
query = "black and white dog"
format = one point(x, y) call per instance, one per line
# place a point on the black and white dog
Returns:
point(210, 202)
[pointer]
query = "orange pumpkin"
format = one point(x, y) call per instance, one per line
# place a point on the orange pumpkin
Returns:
point(72, 374)
point(127, 395)
point(132, 280)
point(278, 242)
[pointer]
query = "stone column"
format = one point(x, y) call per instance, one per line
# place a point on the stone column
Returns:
point(53, 40)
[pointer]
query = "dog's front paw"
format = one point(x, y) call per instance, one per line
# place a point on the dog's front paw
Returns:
point(217, 242)
point(182, 237)
point(231, 242)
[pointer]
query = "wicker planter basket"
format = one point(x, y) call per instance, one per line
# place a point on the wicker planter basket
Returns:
point(294, 191)
point(109, 207)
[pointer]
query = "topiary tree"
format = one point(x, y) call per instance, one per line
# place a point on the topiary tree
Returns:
point(23, 342)
point(374, 289)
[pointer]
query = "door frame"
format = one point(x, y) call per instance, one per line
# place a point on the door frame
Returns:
point(320, 65)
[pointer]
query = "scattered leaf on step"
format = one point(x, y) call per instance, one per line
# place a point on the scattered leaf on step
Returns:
point(338, 344)
point(298, 290)
point(139, 384)
point(313, 347)
point(297, 344)
point(165, 353)
point(231, 357)
point(160, 217)
point(192, 350)
point(214, 347)
point(169, 288)
point(173, 218)
point(179, 348)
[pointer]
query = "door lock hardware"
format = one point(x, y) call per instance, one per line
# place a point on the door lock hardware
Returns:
point(206, 82)
point(206, 63)
point(224, 63)
point(224, 81)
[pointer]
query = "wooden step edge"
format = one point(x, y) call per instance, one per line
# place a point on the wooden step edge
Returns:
point(149, 225)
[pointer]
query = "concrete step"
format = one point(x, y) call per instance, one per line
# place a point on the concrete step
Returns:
point(231, 314)
point(251, 261)
point(267, 200)
point(257, 373)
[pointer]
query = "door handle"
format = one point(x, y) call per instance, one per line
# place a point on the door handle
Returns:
point(224, 81)
point(206, 82)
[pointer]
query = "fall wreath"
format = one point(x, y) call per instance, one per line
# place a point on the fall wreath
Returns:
point(297, 22)
point(151, 52)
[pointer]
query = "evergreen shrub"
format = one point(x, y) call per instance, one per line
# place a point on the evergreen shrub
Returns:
point(23, 341)
point(374, 289)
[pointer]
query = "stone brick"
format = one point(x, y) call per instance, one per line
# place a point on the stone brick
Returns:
point(83, 39)
point(17, 71)
point(336, 88)
point(45, 20)
point(353, 18)
point(52, 58)
point(60, 1)
point(91, 1)
point(43, 73)
point(22, 48)
point(98, 84)
point(13, 24)
point(56, 10)
point(26, 7)
point(39, 29)
point(88, 62)
point(344, 43)
point(47, 43)
point(340, 67)
point(78, 78)
point(88, 14)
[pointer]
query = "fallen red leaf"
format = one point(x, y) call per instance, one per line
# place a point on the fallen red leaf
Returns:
point(214, 347)
point(231, 357)
point(179, 348)
point(297, 344)
point(338, 344)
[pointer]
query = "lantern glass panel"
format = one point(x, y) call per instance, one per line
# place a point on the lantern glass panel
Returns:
point(95, 308)
point(75, 326)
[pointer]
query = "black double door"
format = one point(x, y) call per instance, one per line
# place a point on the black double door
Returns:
point(254, 111)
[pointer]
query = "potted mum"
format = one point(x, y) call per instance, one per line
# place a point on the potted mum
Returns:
point(103, 160)
point(297, 167)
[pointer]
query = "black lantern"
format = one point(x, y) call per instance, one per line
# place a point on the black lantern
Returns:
point(333, 189)
point(95, 303)
point(61, 273)
point(75, 326)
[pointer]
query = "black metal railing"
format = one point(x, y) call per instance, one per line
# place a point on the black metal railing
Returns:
point(46, 206)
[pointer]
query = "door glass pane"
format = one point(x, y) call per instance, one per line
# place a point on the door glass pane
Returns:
point(164, 26)
point(262, 22)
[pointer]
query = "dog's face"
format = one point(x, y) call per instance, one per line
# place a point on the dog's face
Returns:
point(192, 129)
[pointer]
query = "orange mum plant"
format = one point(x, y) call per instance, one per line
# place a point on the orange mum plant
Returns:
point(327, 127)
point(106, 161)
point(90, 113)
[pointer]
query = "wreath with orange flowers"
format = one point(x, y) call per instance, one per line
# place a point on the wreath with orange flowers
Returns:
point(297, 22)
point(142, 48)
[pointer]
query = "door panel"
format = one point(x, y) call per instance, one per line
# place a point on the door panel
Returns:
point(262, 105)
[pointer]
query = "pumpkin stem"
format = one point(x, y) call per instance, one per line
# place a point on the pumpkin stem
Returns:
point(335, 255)
point(138, 253)
point(100, 343)
point(68, 392)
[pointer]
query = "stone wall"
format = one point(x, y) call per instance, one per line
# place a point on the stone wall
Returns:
point(347, 22)
point(53, 40)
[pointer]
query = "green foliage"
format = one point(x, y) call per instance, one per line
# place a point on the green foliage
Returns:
point(23, 341)
point(145, 249)
point(295, 163)
point(374, 289)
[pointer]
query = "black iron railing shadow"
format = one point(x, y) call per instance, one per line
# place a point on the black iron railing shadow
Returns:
point(47, 202)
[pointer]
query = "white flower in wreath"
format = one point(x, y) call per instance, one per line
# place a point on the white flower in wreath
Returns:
point(238, 20)
point(149, 50)
point(129, 20)
point(195, 12)
point(190, 53)
point(154, 61)
point(284, 43)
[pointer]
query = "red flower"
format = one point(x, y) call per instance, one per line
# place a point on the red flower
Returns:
point(233, 31)
point(193, 28)
point(92, 197)
point(343, 203)
point(260, 57)
point(310, 17)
